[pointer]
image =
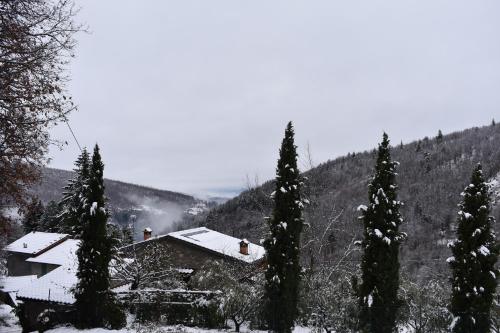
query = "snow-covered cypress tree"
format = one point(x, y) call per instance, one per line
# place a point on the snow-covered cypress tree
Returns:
point(71, 203)
point(282, 245)
point(378, 289)
point(475, 252)
point(95, 303)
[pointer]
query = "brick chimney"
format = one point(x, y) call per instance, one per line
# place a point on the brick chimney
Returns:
point(147, 233)
point(244, 247)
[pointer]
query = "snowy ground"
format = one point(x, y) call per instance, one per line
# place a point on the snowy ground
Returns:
point(164, 329)
point(8, 321)
point(9, 324)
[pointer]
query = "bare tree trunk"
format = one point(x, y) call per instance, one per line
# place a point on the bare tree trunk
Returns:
point(236, 325)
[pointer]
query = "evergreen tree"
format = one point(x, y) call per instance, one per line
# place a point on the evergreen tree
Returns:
point(50, 221)
point(95, 302)
point(419, 146)
point(283, 243)
point(378, 290)
point(493, 123)
point(32, 216)
point(71, 203)
point(115, 235)
point(475, 252)
point(439, 137)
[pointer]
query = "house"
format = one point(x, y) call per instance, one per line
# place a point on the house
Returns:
point(41, 272)
point(54, 286)
point(23, 266)
point(192, 248)
point(31, 245)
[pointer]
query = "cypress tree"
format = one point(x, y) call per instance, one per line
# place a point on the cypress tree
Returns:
point(283, 242)
point(378, 290)
point(475, 252)
point(95, 303)
point(71, 204)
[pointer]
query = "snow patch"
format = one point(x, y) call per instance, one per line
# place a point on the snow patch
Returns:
point(93, 208)
point(484, 250)
point(362, 208)
point(370, 300)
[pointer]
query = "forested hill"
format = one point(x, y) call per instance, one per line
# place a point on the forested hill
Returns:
point(432, 174)
point(120, 194)
point(162, 210)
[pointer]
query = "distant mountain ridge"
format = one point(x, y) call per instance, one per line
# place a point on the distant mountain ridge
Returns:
point(53, 180)
point(432, 174)
point(160, 209)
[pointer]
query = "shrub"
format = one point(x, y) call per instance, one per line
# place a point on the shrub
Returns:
point(46, 320)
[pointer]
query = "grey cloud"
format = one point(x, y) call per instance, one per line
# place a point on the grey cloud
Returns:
point(193, 95)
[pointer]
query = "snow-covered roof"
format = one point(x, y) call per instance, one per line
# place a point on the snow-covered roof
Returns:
point(14, 283)
point(54, 286)
point(11, 284)
point(63, 254)
point(35, 242)
point(219, 242)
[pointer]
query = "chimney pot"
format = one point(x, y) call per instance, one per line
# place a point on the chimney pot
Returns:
point(147, 233)
point(244, 247)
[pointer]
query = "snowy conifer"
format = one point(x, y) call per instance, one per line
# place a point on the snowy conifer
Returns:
point(32, 215)
point(475, 252)
point(282, 245)
point(95, 303)
point(439, 136)
point(50, 221)
point(378, 289)
point(71, 203)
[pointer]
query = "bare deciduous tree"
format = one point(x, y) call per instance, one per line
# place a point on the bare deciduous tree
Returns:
point(240, 288)
point(425, 306)
point(150, 267)
point(37, 41)
point(328, 302)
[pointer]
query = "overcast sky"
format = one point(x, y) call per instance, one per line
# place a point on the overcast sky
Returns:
point(192, 96)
